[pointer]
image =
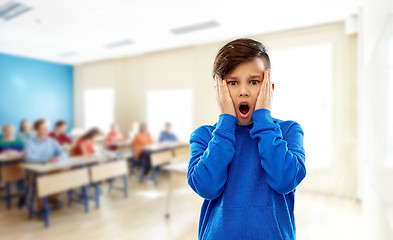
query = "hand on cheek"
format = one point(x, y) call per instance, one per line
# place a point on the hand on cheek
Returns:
point(224, 100)
point(265, 96)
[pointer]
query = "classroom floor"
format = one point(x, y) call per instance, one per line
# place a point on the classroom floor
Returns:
point(141, 216)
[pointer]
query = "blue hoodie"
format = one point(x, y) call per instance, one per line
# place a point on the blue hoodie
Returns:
point(247, 176)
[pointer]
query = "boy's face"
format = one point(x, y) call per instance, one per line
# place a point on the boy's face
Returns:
point(244, 84)
point(62, 128)
point(42, 130)
point(8, 131)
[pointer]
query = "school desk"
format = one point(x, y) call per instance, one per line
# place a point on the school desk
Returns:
point(45, 179)
point(161, 154)
point(178, 178)
point(9, 173)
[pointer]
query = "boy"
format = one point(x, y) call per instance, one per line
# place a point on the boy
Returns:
point(167, 135)
point(9, 144)
point(59, 133)
point(247, 165)
point(42, 148)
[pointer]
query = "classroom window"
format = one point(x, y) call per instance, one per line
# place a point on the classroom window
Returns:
point(303, 79)
point(174, 106)
point(390, 102)
point(99, 108)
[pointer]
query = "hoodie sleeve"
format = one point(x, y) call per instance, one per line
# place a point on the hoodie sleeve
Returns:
point(282, 158)
point(210, 156)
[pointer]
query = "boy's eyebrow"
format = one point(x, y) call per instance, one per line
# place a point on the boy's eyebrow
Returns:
point(251, 76)
point(232, 77)
point(255, 76)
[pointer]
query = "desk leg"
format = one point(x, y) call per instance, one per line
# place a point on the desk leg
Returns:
point(97, 194)
point(26, 190)
point(110, 185)
point(32, 195)
point(143, 167)
point(125, 181)
point(70, 193)
point(155, 176)
point(169, 197)
point(85, 198)
point(46, 211)
point(8, 194)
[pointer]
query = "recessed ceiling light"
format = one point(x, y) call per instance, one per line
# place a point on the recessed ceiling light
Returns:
point(195, 27)
point(67, 54)
point(120, 43)
point(11, 9)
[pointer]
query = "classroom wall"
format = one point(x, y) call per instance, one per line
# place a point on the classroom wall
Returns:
point(191, 67)
point(32, 89)
point(375, 35)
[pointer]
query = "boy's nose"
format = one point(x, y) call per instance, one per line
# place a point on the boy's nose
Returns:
point(244, 92)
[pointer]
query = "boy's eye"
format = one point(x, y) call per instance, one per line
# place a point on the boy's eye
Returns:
point(233, 83)
point(254, 82)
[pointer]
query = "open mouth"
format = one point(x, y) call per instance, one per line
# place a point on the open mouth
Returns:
point(244, 110)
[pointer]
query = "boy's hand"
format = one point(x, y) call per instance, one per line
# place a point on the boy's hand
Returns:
point(54, 159)
point(223, 97)
point(265, 96)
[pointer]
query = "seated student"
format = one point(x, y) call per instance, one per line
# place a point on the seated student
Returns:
point(141, 139)
point(166, 135)
point(25, 133)
point(85, 144)
point(113, 137)
point(8, 143)
point(59, 133)
point(42, 148)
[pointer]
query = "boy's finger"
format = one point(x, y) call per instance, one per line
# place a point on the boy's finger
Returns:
point(269, 83)
point(224, 83)
point(219, 83)
point(215, 87)
point(265, 86)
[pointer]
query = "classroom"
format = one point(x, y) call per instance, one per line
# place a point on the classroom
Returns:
point(162, 120)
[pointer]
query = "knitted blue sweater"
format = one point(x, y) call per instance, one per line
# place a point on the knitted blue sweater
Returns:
point(247, 176)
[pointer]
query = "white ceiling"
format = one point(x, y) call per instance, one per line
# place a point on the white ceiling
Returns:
point(77, 31)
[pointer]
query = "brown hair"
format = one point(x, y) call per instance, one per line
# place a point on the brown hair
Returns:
point(60, 123)
point(21, 125)
point(236, 52)
point(91, 133)
point(38, 123)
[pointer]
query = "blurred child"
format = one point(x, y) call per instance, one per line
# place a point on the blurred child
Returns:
point(167, 135)
point(59, 133)
point(143, 138)
point(85, 144)
point(25, 132)
point(113, 137)
point(9, 144)
point(42, 148)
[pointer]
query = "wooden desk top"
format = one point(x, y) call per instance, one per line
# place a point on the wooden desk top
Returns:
point(11, 157)
point(180, 167)
point(164, 145)
point(119, 144)
point(71, 162)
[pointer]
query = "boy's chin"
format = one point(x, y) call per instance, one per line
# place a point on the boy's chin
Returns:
point(244, 121)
